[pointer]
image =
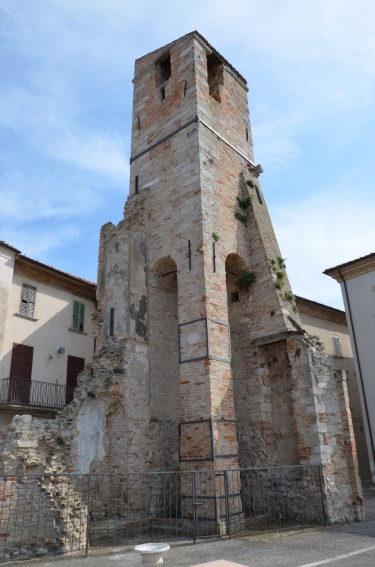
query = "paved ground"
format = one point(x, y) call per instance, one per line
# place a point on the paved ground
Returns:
point(345, 545)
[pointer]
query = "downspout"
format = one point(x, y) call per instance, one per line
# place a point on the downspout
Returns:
point(359, 366)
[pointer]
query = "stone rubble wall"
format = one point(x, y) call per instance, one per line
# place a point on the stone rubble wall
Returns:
point(324, 431)
point(41, 510)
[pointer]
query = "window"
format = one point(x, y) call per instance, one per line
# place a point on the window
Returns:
point(111, 321)
point(27, 300)
point(336, 346)
point(78, 316)
point(215, 76)
point(164, 68)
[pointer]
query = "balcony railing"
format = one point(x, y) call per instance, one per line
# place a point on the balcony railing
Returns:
point(33, 392)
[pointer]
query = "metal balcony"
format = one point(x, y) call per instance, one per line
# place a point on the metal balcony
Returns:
point(34, 393)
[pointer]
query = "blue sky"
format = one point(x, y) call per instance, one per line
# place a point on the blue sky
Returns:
point(65, 115)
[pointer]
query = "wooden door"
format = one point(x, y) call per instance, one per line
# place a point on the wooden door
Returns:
point(20, 373)
point(75, 366)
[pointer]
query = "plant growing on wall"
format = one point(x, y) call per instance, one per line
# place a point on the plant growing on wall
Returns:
point(278, 267)
point(241, 215)
point(281, 262)
point(244, 204)
point(245, 279)
point(289, 295)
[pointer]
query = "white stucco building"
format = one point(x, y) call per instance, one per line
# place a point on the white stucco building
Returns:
point(357, 280)
point(46, 334)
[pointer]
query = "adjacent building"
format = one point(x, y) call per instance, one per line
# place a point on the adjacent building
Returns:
point(357, 280)
point(46, 334)
point(330, 325)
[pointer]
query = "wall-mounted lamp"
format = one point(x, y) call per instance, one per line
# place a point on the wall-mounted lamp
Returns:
point(61, 350)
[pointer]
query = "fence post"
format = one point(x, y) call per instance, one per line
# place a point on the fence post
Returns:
point(227, 504)
point(88, 514)
point(322, 494)
point(193, 500)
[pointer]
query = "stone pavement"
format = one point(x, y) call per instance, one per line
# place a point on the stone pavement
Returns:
point(345, 545)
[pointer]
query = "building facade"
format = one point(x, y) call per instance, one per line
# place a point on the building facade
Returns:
point(46, 335)
point(331, 326)
point(357, 281)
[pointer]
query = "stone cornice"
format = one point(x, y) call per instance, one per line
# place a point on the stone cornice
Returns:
point(352, 269)
point(8, 247)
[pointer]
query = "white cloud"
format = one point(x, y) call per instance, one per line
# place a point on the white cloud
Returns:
point(98, 153)
point(321, 232)
point(46, 197)
point(37, 244)
point(274, 142)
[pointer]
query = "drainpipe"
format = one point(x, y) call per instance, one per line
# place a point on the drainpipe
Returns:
point(359, 367)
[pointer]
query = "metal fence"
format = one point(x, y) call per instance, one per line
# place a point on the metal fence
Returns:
point(58, 513)
point(34, 392)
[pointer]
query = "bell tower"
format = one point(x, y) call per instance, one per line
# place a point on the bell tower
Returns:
point(195, 310)
point(192, 169)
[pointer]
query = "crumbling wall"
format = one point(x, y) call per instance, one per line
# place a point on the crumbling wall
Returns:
point(324, 432)
point(41, 509)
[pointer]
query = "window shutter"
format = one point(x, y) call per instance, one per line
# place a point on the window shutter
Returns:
point(75, 316)
point(24, 294)
point(31, 302)
point(336, 346)
point(78, 316)
point(81, 316)
point(28, 295)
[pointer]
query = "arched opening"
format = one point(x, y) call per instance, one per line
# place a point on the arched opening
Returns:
point(239, 317)
point(164, 395)
point(261, 380)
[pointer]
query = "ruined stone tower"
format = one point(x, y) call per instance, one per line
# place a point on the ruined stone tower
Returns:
point(201, 360)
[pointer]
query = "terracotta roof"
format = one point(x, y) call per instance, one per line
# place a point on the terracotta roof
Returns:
point(21, 259)
point(299, 298)
point(55, 270)
point(320, 310)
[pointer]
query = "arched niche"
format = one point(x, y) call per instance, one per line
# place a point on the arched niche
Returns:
point(164, 392)
point(239, 317)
